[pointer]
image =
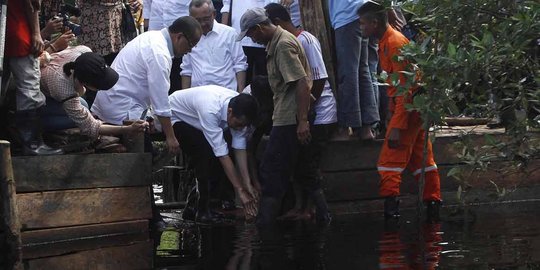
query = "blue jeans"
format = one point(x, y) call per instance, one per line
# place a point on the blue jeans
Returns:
point(357, 92)
point(54, 117)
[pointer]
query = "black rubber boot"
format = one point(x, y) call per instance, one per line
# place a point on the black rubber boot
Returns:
point(28, 128)
point(432, 210)
point(268, 211)
point(391, 207)
point(321, 207)
point(190, 210)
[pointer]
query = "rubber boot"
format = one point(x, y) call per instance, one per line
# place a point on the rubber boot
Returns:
point(269, 208)
point(28, 127)
point(391, 207)
point(432, 210)
point(321, 207)
point(190, 210)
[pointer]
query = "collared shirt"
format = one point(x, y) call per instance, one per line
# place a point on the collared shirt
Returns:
point(238, 9)
point(286, 63)
point(205, 108)
point(164, 12)
point(144, 66)
point(325, 108)
point(56, 84)
point(343, 12)
point(216, 59)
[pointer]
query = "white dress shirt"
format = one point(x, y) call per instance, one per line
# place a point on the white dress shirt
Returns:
point(238, 9)
point(325, 108)
point(144, 66)
point(164, 12)
point(216, 59)
point(205, 108)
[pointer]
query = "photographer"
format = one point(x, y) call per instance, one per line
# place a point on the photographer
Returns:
point(65, 80)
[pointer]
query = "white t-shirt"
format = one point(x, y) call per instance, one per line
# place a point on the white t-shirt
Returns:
point(216, 59)
point(164, 12)
point(326, 105)
point(144, 66)
point(205, 108)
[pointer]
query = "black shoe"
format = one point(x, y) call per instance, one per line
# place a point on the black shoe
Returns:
point(28, 131)
point(391, 207)
point(189, 213)
point(432, 210)
point(191, 204)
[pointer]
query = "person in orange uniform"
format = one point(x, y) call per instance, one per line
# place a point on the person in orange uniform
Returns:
point(404, 140)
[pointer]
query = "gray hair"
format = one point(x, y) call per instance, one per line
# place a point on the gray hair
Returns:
point(200, 3)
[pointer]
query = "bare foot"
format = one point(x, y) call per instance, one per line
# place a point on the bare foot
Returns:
point(366, 133)
point(291, 215)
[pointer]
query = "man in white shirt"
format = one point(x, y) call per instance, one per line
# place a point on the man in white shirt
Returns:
point(162, 13)
point(218, 58)
point(144, 66)
point(201, 115)
point(231, 12)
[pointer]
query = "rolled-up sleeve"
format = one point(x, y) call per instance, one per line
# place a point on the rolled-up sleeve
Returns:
point(238, 55)
point(159, 67)
point(240, 137)
point(226, 6)
point(147, 7)
point(186, 66)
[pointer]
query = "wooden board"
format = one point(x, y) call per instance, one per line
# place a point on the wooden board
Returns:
point(362, 185)
point(135, 256)
point(62, 172)
point(77, 233)
point(77, 207)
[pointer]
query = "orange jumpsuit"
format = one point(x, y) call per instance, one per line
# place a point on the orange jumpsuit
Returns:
point(392, 162)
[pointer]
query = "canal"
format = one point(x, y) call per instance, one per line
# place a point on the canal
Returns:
point(490, 236)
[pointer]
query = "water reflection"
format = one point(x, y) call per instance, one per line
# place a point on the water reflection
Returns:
point(498, 237)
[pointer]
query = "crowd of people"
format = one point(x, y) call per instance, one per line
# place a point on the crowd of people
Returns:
point(214, 89)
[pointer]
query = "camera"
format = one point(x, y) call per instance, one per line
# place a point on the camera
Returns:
point(65, 13)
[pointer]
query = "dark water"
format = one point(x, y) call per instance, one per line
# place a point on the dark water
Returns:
point(501, 236)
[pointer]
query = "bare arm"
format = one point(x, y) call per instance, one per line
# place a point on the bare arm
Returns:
point(245, 197)
point(225, 18)
point(32, 15)
point(241, 157)
point(186, 82)
point(241, 81)
point(172, 143)
point(302, 103)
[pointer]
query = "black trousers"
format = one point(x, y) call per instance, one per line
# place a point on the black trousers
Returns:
point(279, 161)
point(201, 158)
point(308, 173)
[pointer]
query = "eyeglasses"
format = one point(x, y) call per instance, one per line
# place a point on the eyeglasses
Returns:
point(188, 41)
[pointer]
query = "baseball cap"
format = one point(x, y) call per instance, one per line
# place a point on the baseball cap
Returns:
point(91, 68)
point(251, 18)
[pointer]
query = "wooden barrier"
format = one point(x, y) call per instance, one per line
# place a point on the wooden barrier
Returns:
point(10, 219)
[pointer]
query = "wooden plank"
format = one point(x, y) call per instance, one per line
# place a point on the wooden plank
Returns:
point(77, 207)
point(47, 173)
point(357, 155)
point(59, 241)
point(135, 256)
point(10, 219)
point(76, 233)
point(362, 185)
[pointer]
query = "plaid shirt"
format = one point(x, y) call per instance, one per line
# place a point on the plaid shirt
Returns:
point(56, 84)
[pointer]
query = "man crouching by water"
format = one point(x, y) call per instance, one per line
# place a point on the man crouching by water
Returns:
point(201, 117)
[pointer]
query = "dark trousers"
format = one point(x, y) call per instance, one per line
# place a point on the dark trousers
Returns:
point(279, 161)
point(256, 59)
point(308, 174)
point(207, 168)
